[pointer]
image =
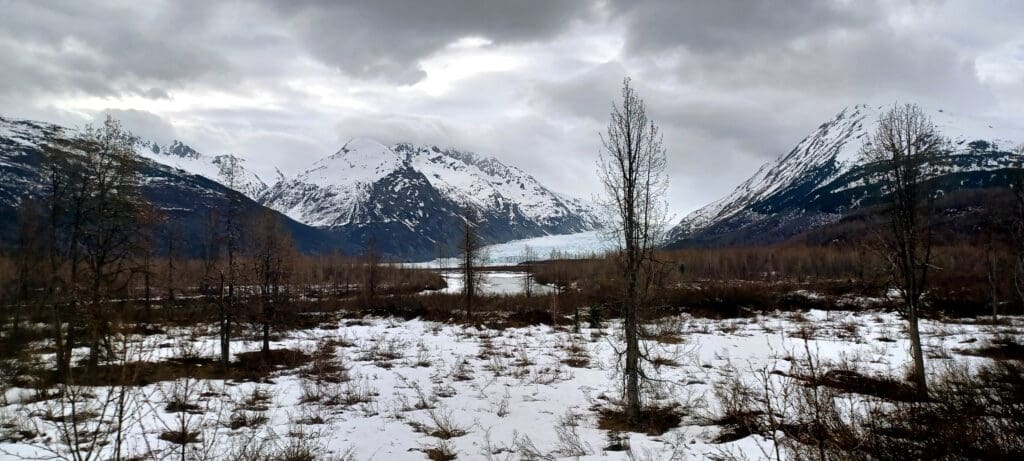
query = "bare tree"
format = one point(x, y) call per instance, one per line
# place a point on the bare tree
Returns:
point(469, 259)
point(528, 257)
point(65, 194)
point(29, 254)
point(632, 169)
point(371, 274)
point(96, 231)
point(272, 253)
point(232, 236)
point(172, 232)
point(904, 144)
point(1017, 226)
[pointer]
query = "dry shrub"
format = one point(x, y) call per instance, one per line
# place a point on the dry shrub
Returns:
point(275, 359)
point(1004, 348)
point(653, 420)
point(441, 451)
point(968, 415)
point(977, 415)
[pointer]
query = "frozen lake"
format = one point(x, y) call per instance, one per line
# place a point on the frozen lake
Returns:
point(579, 245)
point(493, 282)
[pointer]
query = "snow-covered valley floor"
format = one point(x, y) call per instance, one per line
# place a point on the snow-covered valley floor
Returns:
point(406, 389)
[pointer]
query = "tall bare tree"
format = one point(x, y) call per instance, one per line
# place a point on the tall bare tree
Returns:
point(272, 253)
point(528, 257)
point(232, 236)
point(29, 255)
point(95, 231)
point(65, 193)
point(172, 232)
point(632, 169)
point(371, 271)
point(902, 147)
point(1017, 226)
point(113, 219)
point(469, 258)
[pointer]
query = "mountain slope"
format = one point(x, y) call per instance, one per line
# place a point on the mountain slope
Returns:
point(186, 200)
point(217, 168)
point(414, 198)
point(409, 201)
point(823, 178)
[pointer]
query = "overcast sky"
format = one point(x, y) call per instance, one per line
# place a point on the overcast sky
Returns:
point(282, 83)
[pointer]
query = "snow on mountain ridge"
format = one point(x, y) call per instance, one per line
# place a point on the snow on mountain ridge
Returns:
point(336, 190)
point(831, 151)
point(214, 167)
point(29, 133)
point(359, 161)
point(828, 144)
point(481, 181)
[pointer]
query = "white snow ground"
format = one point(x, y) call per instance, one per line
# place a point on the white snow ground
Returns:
point(509, 390)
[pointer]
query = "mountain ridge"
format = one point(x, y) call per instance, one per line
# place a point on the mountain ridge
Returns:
point(824, 177)
point(409, 201)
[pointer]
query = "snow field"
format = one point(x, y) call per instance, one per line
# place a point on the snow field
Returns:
point(500, 394)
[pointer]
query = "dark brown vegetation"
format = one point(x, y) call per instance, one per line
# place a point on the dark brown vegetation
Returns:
point(967, 415)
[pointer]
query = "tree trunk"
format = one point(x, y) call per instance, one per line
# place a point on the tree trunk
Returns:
point(632, 354)
point(920, 379)
point(267, 310)
point(58, 336)
point(225, 325)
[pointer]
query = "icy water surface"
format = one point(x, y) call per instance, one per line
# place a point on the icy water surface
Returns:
point(494, 282)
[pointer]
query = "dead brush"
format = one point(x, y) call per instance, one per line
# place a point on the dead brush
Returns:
point(729, 327)
point(16, 428)
point(248, 409)
point(486, 349)
point(805, 330)
point(497, 365)
point(322, 392)
point(356, 391)
point(577, 354)
point(972, 414)
point(548, 375)
point(849, 328)
point(327, 366)
point(423, 401)
point(382, 350)
point(258, 399)
point(462, 370)
point(740, 414)
point(441, 451)
point(440, 425)
point(669, 329)
point(422, 358)
point(522, 355)
point(444, 391)
point(658, 361)
point(502, 407)
point(570, 444)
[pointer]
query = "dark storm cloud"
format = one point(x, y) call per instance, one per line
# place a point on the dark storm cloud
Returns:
point(733, 27)
point(103, 48)
point(385, 38)
point(733, 84)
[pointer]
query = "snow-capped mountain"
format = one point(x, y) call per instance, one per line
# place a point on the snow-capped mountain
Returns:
point(185, 200)
point(825, 177)
point(215, 167)
point(419, 194)
point(409, 201)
